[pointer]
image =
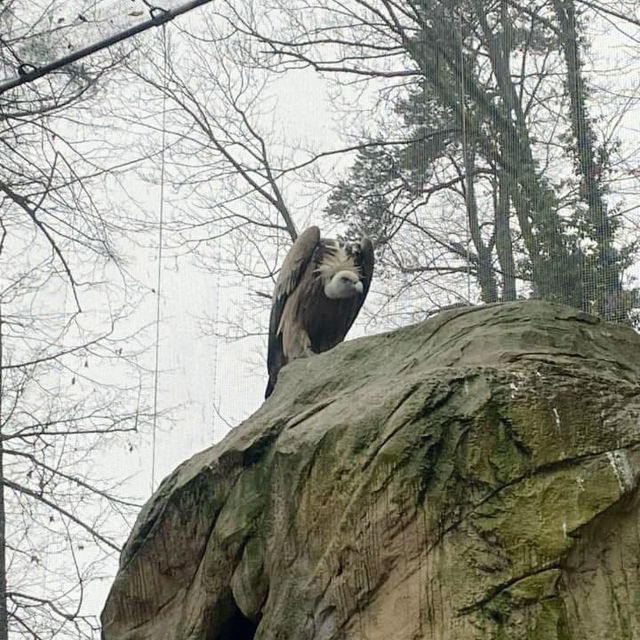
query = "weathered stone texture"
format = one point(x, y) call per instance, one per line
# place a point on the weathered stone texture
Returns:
point(473, 476)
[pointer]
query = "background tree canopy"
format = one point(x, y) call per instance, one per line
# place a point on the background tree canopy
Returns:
point(497, 123)
point(484, 151)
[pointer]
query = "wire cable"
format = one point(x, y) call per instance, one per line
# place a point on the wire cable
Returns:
point(159, 272)
point(28, 72)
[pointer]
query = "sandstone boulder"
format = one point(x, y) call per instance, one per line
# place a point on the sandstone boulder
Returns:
point(472, 476)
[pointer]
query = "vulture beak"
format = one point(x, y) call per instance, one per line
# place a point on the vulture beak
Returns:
point(358, 287)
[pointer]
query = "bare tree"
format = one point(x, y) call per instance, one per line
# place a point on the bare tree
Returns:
point(235, 202)
point(72, 380)
point(494, 98)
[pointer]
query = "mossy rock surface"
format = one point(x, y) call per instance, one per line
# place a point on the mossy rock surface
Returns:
point(472, 476)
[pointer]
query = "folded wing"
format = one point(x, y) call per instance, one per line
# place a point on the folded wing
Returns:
point(293, 268)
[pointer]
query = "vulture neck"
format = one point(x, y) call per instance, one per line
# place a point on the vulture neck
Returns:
point(335, 260)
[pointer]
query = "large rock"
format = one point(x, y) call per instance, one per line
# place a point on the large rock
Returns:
point(472, 476)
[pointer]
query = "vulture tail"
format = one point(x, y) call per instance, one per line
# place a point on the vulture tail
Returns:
point(270, 386)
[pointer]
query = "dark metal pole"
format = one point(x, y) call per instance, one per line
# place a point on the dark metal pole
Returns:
point(159, 16)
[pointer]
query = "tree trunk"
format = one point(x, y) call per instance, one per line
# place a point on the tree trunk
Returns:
point(602, 278)
point(486, 274)
point(504, 246)
point(4, 622)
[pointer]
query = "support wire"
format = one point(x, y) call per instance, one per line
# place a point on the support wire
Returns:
point(30, 72)
point(159, 271)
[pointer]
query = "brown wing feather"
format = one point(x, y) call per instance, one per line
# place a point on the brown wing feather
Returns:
point(365, 260)
point(294, 266)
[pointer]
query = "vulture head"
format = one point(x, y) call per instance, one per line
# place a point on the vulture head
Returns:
point(344, 284)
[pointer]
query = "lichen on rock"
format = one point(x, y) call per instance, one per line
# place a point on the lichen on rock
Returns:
point(472, 476)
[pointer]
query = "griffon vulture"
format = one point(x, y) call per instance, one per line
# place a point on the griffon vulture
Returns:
point(319, 292)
